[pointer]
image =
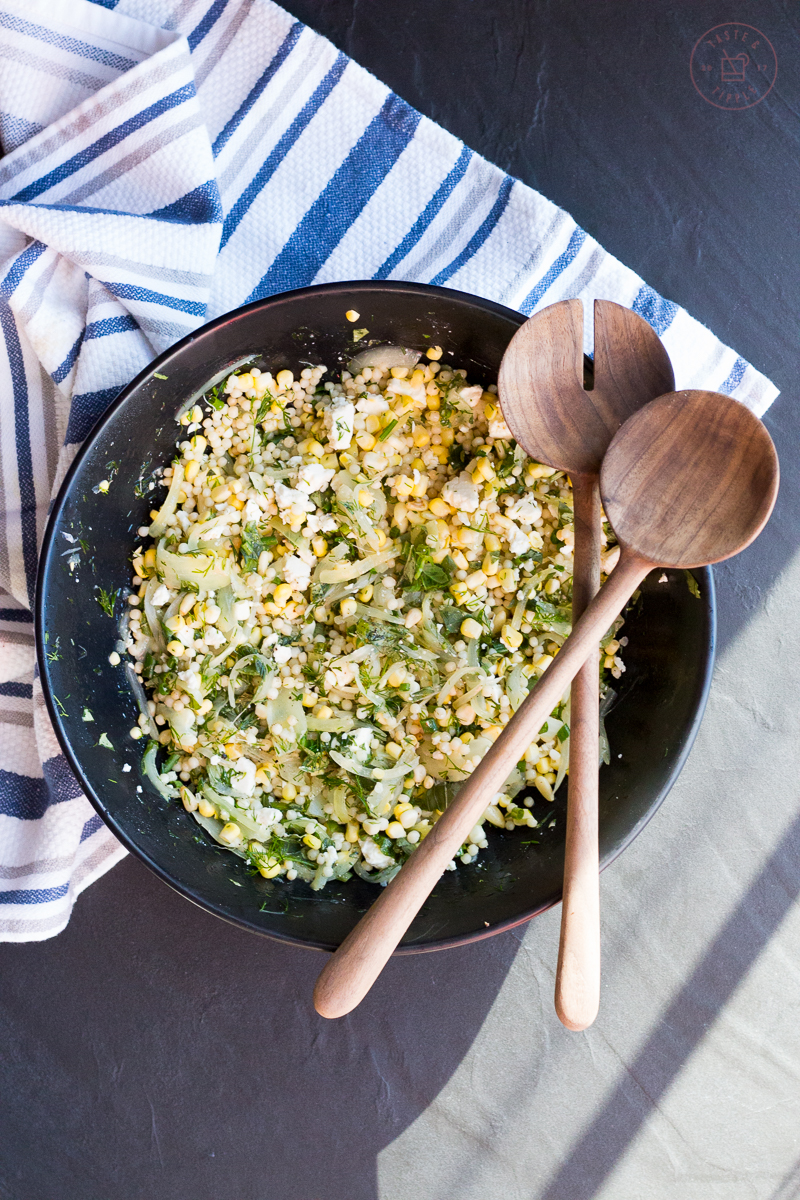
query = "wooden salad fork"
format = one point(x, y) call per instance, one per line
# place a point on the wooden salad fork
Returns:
point(561, 424)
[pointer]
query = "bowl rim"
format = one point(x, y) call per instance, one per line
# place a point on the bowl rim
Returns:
point(708, 598)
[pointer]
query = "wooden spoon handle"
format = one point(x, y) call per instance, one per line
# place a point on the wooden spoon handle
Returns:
point(577, 995)
point(358, 962)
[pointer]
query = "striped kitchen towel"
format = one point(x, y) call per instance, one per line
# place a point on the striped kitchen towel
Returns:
point(166, 161)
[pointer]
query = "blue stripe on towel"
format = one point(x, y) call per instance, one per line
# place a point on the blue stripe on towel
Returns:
point(86, 410)
point(109, 325)
point(484, 231)
point(284, 50)
point(735, 378)
point(92, 825)
point(657, 311)
point(427, 216)
point(105, 143)
point(22, 691)
point(558, 267)
point(284, 145)
point(343, 200)
point(34, 895)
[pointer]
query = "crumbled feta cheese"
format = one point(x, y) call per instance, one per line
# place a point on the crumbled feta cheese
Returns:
point(252, 512)
point(471, 395)
point(498, 429)
point(282, 654)
point(524, 509)
point(374, 855)
point(341, 676)
point(313, 477)
point(517, 540)
point(214, 638)
point(191, 680)
point(319, 522)
point(243, 777)
point(162, 595)
point(126, 767)
point(339, 419)
point(372, 405)
point(462, 494)
point(242, 610)
point(290, 502)
point(296, 572)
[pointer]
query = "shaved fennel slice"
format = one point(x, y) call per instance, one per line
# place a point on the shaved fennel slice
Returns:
point(159, 525)
point(384, 357)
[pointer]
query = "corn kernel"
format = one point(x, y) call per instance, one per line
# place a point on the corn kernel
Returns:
point(232, 751)
point(434, 353)
point(309, 700)
point(284, 379)
point(459, 591)
point(365, 497)
point(270, 872)
point(511, 637)
point(396, 676)
point(319, 546)
point(380, 538)
point(475, 580)
point(282, 594)
point(448, 437)
point(315, 448)
point(288, 792)
point(366, 593)
point(365, 440)
point(440, 452)
point(507, 580)
point(543, 662)
point(489, 566)
point(150, 557)
point(608, 662)
point(230, 834)
point(191, 470)
point(420, 437)
point(494, 816)
point(543, 785)
point(471, 629)
point(466, 714)
point(175, 648)
point(205, 807)
point(352, 315)
point(433, 402)
point(408, 819)
point(552, 586)
point(539, 471)
point(399, 372)
point(439, 507)
point(395, 830)
point(393, 750)
point(351, 833)
point(348, 607)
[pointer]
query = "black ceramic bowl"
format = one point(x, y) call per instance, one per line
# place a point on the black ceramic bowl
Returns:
point(651, 728)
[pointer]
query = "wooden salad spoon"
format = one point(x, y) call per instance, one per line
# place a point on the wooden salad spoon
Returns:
point(689, 479)
point(559, 423)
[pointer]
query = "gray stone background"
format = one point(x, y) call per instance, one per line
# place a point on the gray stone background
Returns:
point(153, 1052)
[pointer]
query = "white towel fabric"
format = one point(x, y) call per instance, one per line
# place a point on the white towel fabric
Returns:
point(167, 161)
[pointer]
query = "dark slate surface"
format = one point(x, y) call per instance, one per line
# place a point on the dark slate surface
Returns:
point(151, 1051)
